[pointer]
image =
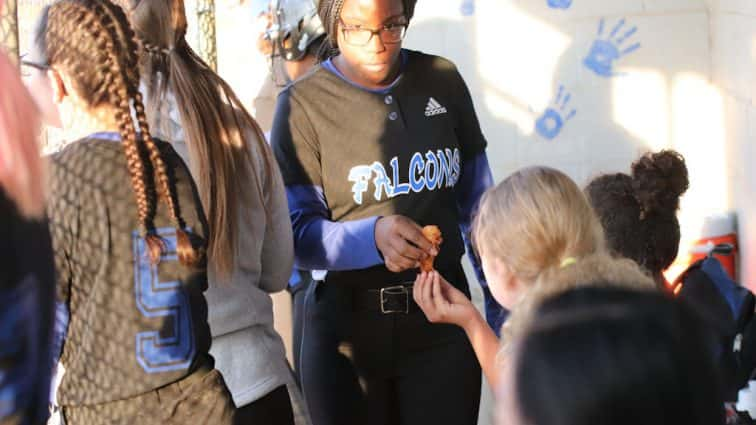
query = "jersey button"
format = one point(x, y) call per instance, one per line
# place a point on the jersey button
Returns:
point(389, 99)
point(393, 116)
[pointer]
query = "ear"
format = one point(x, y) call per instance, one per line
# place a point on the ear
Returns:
point(58, 85)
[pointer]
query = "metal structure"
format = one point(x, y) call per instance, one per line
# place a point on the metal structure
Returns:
point(206, 33)
point(9, 28)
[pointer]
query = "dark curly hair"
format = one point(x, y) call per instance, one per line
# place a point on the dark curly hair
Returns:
point(639, 211)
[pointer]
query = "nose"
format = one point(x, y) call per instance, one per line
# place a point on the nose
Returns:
point(376, 44)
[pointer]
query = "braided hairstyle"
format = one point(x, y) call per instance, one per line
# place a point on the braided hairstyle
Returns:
point(227, 149)
point(92, 41)
point(639, 211)
point(330, 12)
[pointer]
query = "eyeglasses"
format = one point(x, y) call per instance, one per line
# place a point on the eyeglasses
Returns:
point(44, 67)
point(358, 36)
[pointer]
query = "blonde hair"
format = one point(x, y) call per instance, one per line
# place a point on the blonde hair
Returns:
point(599, 269)
point(534, 220)
point(21, 168)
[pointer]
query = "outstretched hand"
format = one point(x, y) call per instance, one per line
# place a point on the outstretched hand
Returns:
point(441, 302)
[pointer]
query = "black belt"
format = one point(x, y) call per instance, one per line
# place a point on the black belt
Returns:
point(387, 300)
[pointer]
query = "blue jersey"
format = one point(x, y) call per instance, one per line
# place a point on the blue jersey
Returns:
point(26, 316)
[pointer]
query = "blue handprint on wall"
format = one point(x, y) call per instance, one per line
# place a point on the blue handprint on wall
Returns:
point(560, 4)
point(550, 124)
point(467, 8)
point(606, 51)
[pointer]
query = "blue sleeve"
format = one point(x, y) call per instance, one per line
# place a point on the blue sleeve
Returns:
point(24, 375)
point(476, 178)
point(60, 329)
point(322, 244)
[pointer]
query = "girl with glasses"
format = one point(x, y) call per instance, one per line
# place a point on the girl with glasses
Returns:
point(374, 143)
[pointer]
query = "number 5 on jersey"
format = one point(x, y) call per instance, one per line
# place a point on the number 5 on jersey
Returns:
point(171, 348)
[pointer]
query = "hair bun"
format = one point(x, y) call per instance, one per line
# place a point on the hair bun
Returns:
point(659, 179)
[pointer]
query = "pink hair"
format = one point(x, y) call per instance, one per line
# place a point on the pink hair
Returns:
point(21, 169)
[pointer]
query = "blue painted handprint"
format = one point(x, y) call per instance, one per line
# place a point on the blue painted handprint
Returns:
point(550, 124)
point(560, 4)
point(606, 51)
point(467, 8)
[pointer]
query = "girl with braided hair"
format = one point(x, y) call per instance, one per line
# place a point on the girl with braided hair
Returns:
point(129, 236)
point(250, 251)
point(374, 143)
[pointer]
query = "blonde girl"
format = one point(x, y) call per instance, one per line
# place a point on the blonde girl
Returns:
point(536, 235)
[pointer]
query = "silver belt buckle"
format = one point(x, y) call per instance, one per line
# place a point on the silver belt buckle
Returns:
point(395, 290)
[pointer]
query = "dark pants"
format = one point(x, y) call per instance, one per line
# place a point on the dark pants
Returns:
point(200, 398)
point(363, 367)
point(273, 409)
point(298, 294)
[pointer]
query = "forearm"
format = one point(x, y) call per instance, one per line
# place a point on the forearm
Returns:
point(322, 244)
point(486, 346)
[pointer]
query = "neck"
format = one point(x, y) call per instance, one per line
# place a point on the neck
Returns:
point(78, 123)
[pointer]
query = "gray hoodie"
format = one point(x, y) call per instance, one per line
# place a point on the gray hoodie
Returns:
point(247, 350)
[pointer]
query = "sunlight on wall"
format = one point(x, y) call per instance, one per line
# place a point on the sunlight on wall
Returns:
point(641, 106)
point(522, 79)
point(698, 127)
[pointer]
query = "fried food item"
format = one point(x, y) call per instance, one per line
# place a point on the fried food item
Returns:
point(433, 234)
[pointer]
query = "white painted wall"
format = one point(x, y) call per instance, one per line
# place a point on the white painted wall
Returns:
point(733, 45)
point(687, 86)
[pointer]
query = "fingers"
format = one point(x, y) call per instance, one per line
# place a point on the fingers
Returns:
point(406, 250)
point(396, 262)
point(426, 294)
point(438, 299)
point(416, 286)
point(412, 232)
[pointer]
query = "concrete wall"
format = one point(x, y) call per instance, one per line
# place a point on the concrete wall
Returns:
point(674, 73)
point(733, 45)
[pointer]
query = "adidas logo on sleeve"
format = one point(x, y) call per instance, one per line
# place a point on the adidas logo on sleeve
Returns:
point(434, 108)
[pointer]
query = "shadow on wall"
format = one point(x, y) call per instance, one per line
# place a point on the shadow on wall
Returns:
point(525, 79)
point(588, 87)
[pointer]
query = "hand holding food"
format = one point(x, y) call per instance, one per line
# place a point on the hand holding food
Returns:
point(433, 234)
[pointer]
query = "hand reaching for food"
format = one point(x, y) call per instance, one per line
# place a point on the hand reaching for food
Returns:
point(433, 234)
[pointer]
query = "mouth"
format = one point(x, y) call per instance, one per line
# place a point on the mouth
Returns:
point(376, 67)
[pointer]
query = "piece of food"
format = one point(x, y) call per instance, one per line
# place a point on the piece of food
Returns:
point(433, 234)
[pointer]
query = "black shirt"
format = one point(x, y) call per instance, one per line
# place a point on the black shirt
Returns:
point(349, 155)
point(133, 327)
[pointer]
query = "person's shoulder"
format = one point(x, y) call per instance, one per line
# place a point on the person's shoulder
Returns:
point(313, 77)
point(72, 151)
point(428, 62)
point(313, 82)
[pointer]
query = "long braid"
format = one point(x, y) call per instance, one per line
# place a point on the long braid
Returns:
point(125, 35)
point(115, 92)
point(168, 195)
point(118, 87)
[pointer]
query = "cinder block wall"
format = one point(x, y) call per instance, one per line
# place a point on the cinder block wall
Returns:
point(733, 45)
point(639, 75)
